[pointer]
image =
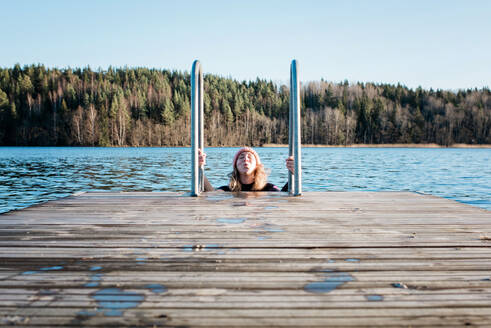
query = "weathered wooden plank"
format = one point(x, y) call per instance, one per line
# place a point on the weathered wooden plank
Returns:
point(162, 320)
point(278, 284)
point(35, 304)
point(289, 219)
point(318, 235)
point(248, 243)
point(139, 272)
point(337, 254)
point(277, 266)
point(248, 294)
point(306, 313)
point(244, 318)
point(389, 298)
point(245, 230)
point(293, 281)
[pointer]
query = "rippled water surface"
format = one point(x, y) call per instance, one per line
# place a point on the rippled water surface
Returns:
point(30, 175)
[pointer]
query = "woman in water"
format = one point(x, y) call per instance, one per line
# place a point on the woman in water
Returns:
point(248, 172)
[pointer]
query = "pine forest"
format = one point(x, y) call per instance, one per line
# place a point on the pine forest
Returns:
point(42, 106)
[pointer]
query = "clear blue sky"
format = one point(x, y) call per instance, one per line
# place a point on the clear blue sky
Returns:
point(433, 43)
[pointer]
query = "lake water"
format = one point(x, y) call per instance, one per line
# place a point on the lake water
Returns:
point(30, 175)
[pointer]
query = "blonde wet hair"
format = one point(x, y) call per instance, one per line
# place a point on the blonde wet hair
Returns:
point(260, 179)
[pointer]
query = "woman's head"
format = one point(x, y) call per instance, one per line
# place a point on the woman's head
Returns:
point(247, 163)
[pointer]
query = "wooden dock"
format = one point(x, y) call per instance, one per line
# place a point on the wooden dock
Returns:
point(245, 260)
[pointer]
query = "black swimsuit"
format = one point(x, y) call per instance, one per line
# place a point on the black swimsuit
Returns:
point(246, 187)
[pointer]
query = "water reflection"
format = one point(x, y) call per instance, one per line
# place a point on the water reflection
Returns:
point(29, 175)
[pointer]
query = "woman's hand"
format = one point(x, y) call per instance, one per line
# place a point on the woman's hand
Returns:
point(290, 164)
point(201, 158)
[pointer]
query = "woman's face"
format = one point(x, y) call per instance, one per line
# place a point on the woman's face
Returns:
point(246, 163)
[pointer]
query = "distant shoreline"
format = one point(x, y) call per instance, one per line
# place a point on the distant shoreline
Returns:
point(432, 145)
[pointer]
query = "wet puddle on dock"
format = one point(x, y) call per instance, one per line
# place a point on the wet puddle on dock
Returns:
point(267, 227)
point(29, 272)
point(156, 288)
point(113, 301)
point(333, 280)
point(94, 280)
point(374, 298)
point(231, 220)
point(57, 267)
point(45, 269)
point(141, 260)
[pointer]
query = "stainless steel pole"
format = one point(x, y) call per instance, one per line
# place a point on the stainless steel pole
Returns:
point(297, 136)
point(201, 131)
point(291, 181)
point(196, 121)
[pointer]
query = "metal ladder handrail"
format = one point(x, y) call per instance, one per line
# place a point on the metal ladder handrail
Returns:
point(197, 138)
point(294, 132)
point(197, 128)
